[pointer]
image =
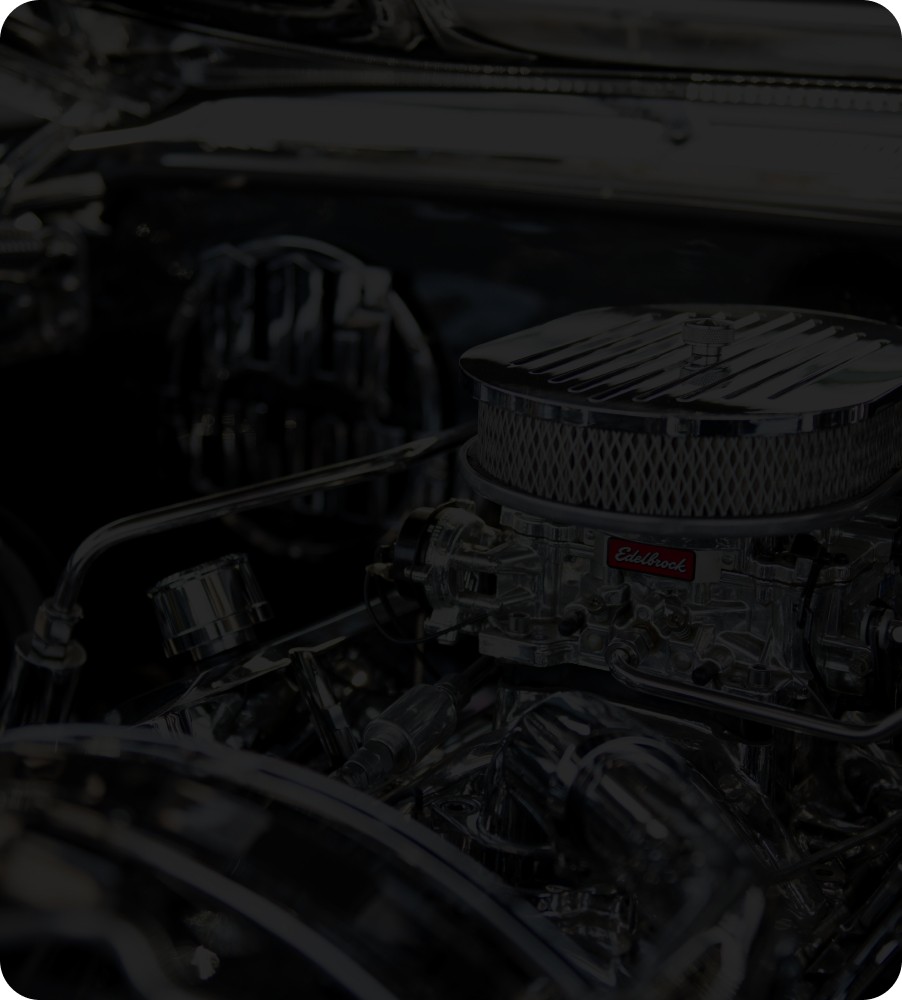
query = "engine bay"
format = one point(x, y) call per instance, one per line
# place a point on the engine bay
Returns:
point(427, 577)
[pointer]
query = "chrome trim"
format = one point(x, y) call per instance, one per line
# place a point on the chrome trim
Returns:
point(666, 527)
point(786, 372)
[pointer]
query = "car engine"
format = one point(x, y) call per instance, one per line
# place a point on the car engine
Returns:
point(394, 605)
point(654, 670)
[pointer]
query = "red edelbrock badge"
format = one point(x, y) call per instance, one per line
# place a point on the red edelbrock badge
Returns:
point(637, 557)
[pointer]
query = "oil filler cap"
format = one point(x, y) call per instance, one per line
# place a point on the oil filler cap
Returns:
point(209, 609)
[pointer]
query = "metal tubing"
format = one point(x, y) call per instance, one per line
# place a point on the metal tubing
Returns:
point(191, 512)
point(769, 715)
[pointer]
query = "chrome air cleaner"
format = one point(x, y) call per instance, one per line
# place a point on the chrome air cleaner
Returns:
point(689, 420)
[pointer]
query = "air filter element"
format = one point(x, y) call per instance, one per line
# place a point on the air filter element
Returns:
point(689, 420)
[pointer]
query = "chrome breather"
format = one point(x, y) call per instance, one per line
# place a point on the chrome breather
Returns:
point(211, 608)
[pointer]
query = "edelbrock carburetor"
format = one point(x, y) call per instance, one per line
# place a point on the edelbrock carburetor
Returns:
point(705, 494)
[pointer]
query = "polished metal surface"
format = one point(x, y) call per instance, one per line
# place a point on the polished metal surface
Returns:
point(723, 634)
point(50, 651)
point(779, 370)
point(622, 723)
point(198, 511)
point(289, 354)
point(686, 525)
point(210, 608)
point(216, 804)
point(716, 413)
